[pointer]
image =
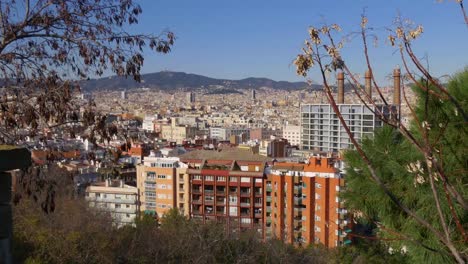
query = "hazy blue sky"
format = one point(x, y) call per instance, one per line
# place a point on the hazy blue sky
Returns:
point(241, 38)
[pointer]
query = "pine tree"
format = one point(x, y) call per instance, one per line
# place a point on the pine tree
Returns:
point(404, 171)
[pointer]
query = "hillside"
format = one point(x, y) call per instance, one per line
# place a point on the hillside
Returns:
point(166, 80)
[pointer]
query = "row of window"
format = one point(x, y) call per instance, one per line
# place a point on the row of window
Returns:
point(222, 178)
point(153, 176)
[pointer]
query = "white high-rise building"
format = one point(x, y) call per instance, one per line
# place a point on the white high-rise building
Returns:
point(321, 129)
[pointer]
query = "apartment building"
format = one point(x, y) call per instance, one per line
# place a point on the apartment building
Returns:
point(115, 197)
point(177, 133)
point(292, 134)
point(225, 189)
point(163, 185)
point(225, 133)
point(302, 205)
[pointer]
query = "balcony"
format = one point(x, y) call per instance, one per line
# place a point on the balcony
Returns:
point(124, 210)
point(209, 202)
point(245, 204)
point(245, 214)
point(196, 212)
point(198, 201)
point(246, 194)
point(268, 209)
point(268, 198)
point(298, 200)
point(298, 209)
point(196, 191)
point(258, 204)
point(208, 191)
point(111, 200)
point(268, 189)
point(258, 215)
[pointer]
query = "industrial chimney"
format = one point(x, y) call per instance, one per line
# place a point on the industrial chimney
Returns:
point(396, 86)
point(368, 85)
point(340, 88)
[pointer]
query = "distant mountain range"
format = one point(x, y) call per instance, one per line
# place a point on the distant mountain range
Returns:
point(166, 80)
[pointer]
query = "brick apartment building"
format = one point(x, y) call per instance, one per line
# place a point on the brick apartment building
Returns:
point(227, 187)
point(302, 204)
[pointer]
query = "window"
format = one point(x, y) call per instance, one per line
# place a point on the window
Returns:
point(317, 229)
point(317, 196)
point(196, 177)
point(161, 176)
point(245, 179)
point(150, 194)
point(117, 205)
point(98, 195)
point(233, 179)
point(317, 218)
point(318, 185)
point(150, 175)
point(221, 178)
point(162, 186)
point(209, 178)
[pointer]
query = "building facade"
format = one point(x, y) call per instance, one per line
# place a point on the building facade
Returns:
point(302, 205)
point(173, 132)
point(227, 191)
point(225, 133)
point(321, 129)
point(292, 134)
point(117, 198)
point(156, 180)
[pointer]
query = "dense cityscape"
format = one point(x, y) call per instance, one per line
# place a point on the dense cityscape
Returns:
point(106, 159)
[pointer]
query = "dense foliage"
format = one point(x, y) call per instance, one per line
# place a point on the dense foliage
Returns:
point(404, 171)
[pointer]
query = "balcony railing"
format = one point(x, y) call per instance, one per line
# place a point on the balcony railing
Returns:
point(245, 204)
point(245, 193)
point(258, 204)
point(111, 200)
point(268, 199)
point(298, 199)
